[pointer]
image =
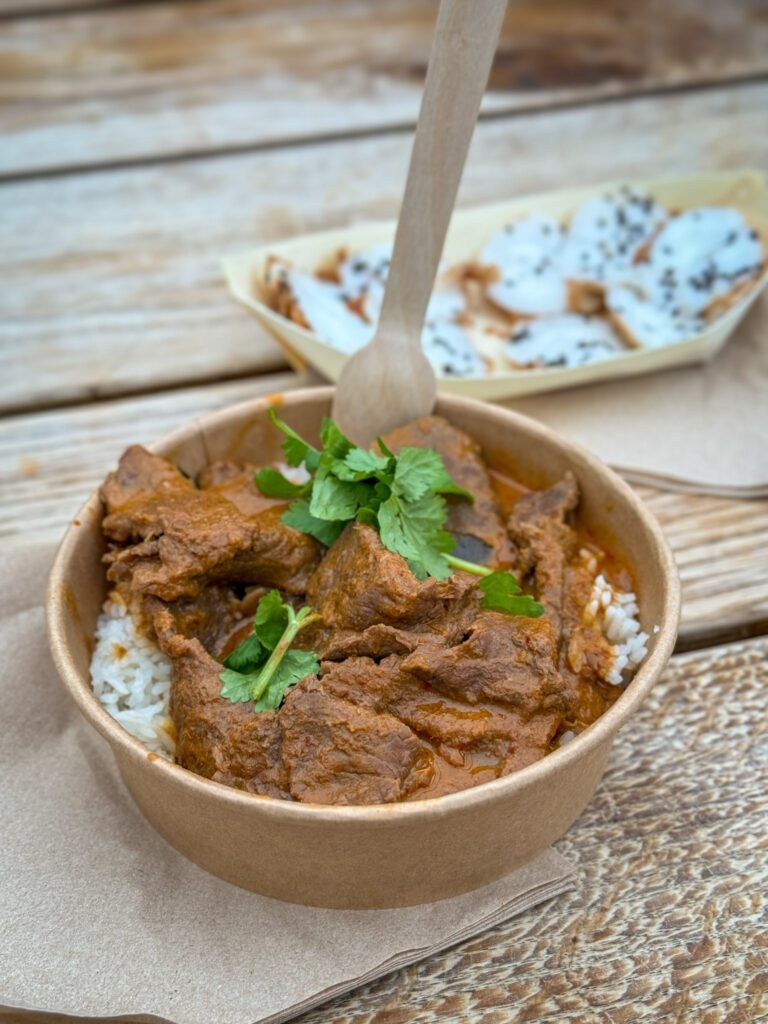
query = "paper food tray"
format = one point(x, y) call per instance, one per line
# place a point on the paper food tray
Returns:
point(470, 229)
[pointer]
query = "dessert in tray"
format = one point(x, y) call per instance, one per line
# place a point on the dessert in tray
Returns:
point(537, 293)
point(622, 273)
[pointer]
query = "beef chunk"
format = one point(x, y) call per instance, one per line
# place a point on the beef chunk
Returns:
point(374, 642)
point(505, 659)
point(210, 617)
point(477, 526)
point(360, 584)
point(142, 475)
point(388, 686)
point(336, 752)
point(238, 485)
point(547, 546)
point(467, 740)
point(362, 681)
point(217, 739)
point(545, 541)
point(586, 657)
point(174, 538)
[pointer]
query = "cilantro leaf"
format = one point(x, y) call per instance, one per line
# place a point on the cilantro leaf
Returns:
point(398, 495)
point(445, 485)
point(383, 448)
point(333, 441)
point(294, 666)
point(413, 529)
point(237, 685)
point(502, 593)
point(296, 449)
point(265, 665)
point(416, 471)
point(422, 470)
point(271, 618)
point(333, 498)
point(273, 484)
point(247, 656)
point(369, 517)
point(300, 518)
point(444, 542)
point(361, 461)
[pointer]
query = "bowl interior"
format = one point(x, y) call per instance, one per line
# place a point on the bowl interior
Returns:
point(534, 454)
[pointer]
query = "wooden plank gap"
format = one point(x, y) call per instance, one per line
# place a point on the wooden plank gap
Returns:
point(694, 637)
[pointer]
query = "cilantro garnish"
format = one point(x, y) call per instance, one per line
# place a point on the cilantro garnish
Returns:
point(501, 591)
point(264, 665)
point(401, 496)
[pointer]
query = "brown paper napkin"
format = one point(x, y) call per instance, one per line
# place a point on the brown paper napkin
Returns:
point(100, 917)
point(702, 429)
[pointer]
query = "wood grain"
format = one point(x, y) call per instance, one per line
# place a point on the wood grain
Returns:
point(50, 461)
point(111, 280)
point(35, 8)
point(126, 82)
point(669, 919)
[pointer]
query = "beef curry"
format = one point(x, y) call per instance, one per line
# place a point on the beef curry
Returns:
point(420, 691)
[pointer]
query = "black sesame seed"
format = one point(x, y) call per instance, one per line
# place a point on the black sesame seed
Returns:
point(442, 343)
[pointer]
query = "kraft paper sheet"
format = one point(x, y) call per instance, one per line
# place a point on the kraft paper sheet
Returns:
point(99, 917)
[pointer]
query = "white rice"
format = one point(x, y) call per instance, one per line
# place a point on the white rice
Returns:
point(615, 612)
point(132, 678)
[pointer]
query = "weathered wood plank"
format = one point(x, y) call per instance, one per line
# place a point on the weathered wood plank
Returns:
point(668, 922)
point(50, 461)
point(116, 84)
point(721, 547)
point(33, 8)
point(111, 279)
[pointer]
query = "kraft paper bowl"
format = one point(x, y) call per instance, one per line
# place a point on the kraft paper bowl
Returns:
point(392, 854)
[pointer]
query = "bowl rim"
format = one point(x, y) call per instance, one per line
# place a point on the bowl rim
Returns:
point(371, 814)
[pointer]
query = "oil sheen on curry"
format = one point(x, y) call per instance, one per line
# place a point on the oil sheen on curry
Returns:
point(418, 687)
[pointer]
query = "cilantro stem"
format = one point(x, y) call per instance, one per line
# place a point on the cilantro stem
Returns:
point(473, 567)
point(295, 624)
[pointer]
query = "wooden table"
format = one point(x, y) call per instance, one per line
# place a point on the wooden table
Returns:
point(144, 140)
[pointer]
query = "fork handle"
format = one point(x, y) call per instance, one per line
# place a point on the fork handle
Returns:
point(465, 41)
